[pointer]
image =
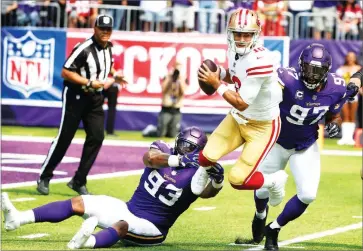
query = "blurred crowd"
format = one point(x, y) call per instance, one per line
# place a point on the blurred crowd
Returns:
point(316, 19)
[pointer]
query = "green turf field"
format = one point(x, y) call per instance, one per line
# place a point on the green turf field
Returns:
point(339, 199)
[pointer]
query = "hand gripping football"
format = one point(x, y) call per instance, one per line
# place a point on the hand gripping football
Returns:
point(208, 89)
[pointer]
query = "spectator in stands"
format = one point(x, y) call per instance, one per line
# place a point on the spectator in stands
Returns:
point(47, 14)
point(62, 7)
point(183, 11)
point(325, 21)
point(8, 13)
point(244, 4)
point(273, 18)
point(28, 13)
point(350, 15)
point(296, 7)
point(134, 15)
point(155, 12)
point(80, 14)
point(349, 109)
point(207, 16)
point(117, 14)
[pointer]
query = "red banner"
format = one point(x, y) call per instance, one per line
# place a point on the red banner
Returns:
point(147, 57)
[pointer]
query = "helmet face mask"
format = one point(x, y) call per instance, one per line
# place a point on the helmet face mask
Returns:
point(243, 21)
point(315, 62)
point(190, 140)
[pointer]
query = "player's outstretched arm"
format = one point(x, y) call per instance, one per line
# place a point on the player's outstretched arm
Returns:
point(157, 159)
point(216, 176)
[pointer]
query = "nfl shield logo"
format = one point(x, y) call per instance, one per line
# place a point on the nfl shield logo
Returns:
point(28, 63)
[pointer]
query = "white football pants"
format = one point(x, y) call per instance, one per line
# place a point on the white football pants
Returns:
point(304, 165)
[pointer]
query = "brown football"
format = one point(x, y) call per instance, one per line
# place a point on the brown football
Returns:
point(208, 89)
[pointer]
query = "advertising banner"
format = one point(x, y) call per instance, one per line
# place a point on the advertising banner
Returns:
point(32, 60)
point(146, 58)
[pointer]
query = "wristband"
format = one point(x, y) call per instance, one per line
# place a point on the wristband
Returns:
point(222, 89)
point(217, 185)
point(173, 161)
point(223, 73)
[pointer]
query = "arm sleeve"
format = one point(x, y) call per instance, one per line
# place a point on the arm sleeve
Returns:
point(250, 89)
point(76, 59)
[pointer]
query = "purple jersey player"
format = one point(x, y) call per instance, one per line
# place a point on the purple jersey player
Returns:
point(171, 182)
point(309, 94)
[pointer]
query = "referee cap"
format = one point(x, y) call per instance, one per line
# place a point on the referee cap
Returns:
point(104, 21)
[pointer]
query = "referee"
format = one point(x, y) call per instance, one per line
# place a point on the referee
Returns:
point(85, 74)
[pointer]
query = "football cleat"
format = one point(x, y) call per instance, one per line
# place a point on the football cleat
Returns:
point(277, 191)
point(11, 214)
point(83, 234)
point(258, 227)
point(272, 235)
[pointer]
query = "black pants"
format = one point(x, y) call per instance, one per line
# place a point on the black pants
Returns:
point(111, 94)
point(77, 107)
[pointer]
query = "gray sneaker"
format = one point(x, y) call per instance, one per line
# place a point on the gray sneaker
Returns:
point(43, 186)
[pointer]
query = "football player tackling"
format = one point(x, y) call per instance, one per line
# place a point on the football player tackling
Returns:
point(310, 93)
point(254, 119)
point(169, 185)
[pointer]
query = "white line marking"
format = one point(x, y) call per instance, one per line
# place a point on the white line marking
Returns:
point(136, 143)
point(21, 158)
point(90, 177)
point(27, 170)
point(33, 236)
point(23, 199)
point(317, 235)
point(357, 217)
point(204, 208)
point(254, 245)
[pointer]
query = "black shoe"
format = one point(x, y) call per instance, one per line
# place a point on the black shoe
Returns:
point(258, 228)
point(81, 190)
point(271, 238)
point(43, 186)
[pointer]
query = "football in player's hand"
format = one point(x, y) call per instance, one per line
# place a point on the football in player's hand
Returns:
point(208, 89)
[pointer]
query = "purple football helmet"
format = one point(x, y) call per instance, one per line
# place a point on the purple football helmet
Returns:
point(190, 140)
point(315, 62)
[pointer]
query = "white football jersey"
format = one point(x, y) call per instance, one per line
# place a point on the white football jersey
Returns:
point(255, 79)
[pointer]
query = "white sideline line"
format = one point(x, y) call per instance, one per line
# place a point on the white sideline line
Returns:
point(135, 143)
point(318, 235)
point(27, 170)
point(22, 199)
point(89, 177)
point(33, 236)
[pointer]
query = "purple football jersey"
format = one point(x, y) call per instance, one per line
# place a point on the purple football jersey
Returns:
point(163, 194)
point(301, 109)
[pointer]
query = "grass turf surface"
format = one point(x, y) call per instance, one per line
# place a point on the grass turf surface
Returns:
point(339, 199)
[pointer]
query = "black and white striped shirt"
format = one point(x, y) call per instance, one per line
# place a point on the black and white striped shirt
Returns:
point(90, 60)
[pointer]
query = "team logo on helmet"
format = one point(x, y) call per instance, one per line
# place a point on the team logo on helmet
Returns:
point(28, 63)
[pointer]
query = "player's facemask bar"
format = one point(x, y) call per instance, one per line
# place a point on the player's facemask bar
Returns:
point(185, 147)
point(247, 46)
point(313, 75)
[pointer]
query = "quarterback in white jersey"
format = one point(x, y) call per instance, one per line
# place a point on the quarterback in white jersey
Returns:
point(254, 119)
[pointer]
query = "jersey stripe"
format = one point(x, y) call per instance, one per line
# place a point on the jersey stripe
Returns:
point(259, 73)
point(75, 54)
point(259, 67)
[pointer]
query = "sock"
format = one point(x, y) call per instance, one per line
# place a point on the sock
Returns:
point(90, 243)
point(26, 217)
point(54, 212)
point(293, 209)
point(350, 131)
point(254, 182)
point(106, 238)
point(269, 180)
point(261, 205)
point(345, 129)
point(275, 224)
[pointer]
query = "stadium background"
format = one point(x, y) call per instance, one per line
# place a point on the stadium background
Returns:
point(31, 89)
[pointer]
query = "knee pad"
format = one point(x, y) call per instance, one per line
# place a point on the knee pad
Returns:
point(236, 176)
point(203, 161)
point(262, 193)
point(306, 197)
